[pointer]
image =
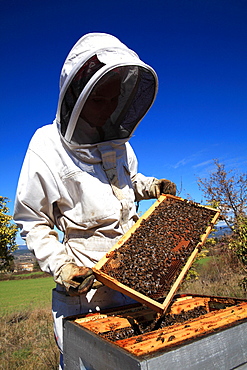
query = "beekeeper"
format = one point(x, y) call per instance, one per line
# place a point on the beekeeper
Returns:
point(80, 173)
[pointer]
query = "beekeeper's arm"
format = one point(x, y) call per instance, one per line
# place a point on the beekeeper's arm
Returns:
point(147, 187)
point(36, 195)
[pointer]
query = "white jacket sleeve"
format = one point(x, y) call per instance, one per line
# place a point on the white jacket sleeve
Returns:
point(140, 182)
point(35, 198)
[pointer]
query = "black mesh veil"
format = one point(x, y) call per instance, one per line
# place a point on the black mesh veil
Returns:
point(138, 88)
point(141, 100)
point(75, 88)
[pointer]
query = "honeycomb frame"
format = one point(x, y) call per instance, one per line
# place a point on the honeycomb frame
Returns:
point(176, 260)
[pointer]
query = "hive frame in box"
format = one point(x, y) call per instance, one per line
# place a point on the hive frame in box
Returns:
point(150, 302)
point(215, 339)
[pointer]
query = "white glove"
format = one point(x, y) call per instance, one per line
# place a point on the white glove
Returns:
point(76, 279)
point(161, 186)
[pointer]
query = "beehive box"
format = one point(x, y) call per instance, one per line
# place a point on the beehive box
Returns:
point(152, 258)
point(198, 332)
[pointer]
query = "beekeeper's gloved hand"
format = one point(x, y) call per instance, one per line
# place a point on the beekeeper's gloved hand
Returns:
point(77, 279)
point(162, 186)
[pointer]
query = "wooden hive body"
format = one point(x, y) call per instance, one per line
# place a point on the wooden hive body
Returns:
point(199, 332)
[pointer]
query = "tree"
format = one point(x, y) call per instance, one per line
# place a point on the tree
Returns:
point(239, 243)
point(226, 191)
point(8, 233)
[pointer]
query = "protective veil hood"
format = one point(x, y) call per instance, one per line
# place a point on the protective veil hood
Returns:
point(96, 59)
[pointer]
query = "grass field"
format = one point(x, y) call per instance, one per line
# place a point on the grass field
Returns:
point(26, 294)
point(26, 327)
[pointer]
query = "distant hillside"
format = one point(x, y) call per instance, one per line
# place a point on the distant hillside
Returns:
point(22, 250)
point(21, 247)
point(222, 230)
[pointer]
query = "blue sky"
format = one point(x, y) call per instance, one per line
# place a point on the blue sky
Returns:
point(197, 47)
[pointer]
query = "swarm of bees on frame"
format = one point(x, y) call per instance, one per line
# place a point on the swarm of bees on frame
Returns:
point(151, 259)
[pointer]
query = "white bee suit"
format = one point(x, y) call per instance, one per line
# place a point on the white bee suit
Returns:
point(83, 182)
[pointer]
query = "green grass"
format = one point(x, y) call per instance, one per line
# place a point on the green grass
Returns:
point(19, 295)
point(204, 261)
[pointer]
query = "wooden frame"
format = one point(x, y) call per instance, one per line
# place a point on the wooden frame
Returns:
point(152, 303)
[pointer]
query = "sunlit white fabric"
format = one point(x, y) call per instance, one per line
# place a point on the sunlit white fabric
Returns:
point(79, 179)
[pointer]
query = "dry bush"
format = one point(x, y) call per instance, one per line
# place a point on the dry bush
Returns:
point(220, 276)
point(27, 341)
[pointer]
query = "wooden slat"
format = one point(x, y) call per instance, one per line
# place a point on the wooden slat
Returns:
point(105, 325)
point(188, 303)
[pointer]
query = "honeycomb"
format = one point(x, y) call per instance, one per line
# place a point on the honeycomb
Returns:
point(151, 259)
point(167, 320)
